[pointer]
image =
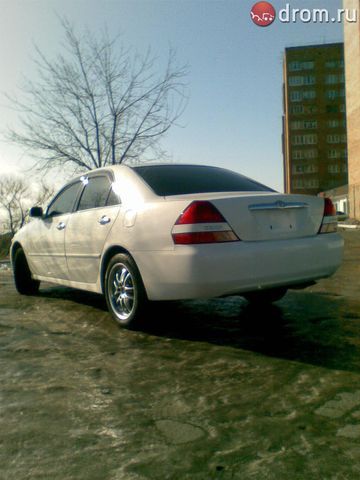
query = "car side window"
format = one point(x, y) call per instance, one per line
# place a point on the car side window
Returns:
point(113, 198)
point(95, 194)
point(64, 202)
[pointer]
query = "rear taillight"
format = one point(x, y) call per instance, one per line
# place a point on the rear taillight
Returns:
point(329, 222)
point(200, 212)
point(201, 222)
point(329, 208)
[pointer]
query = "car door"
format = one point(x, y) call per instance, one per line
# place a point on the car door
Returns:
point(46, 246)
point(89, 227)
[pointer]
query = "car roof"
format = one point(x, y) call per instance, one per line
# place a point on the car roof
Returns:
point(149, 165)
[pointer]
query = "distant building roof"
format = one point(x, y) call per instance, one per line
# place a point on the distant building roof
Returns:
point(321, 45)
point(336, 192)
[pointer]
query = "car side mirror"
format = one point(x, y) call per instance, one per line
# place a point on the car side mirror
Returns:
point(36, 212)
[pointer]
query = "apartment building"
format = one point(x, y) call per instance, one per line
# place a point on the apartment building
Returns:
point(352, 75)
point(314, 119)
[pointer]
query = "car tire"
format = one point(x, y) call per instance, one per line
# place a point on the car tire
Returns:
point(265, 296)
point(124, 291)
point(24, 282)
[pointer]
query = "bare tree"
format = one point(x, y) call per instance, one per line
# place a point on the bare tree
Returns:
point(97, 104)
point(16, 197)
point(43, 195)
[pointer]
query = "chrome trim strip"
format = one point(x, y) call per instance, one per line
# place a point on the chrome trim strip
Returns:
point(277, 206)
point(72, 255)
point(46, 255)
point(201, 227)
point(83, 255)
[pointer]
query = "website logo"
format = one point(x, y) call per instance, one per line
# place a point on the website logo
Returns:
point(263, 14)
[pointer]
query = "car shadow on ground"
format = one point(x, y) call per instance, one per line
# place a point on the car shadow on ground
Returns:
point(312, 328)
point(309, 327)
point(80, 297)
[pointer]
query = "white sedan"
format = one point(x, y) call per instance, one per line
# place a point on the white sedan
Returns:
point(170, 232)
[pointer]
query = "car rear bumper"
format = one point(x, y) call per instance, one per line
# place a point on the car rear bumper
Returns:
point(213, 270)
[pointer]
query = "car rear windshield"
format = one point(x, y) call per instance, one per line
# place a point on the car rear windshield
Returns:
point(168, 180)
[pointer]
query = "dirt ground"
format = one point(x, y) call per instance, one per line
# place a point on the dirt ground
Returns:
point(210, 390)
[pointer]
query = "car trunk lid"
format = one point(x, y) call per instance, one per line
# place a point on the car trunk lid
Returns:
point(273, 216)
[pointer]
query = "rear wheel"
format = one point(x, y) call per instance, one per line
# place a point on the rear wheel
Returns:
point(24, 282)
point(124, 291)
point(266, 296)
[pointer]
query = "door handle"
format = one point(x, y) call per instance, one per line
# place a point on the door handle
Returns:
point(60, 226)
point(104, 220)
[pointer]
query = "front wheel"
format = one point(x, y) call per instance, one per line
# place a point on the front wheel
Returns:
point(124, 291)
point(266, 296)
point(24, 282)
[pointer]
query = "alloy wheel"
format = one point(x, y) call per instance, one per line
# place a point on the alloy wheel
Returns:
point(121, 291)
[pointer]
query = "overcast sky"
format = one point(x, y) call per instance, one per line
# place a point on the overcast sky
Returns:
point(233, 117)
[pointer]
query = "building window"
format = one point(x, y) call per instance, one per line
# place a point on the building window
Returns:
point(296, 125)
point(296, 96)
point(331, 79)
point(343, 108)
point(309, 94)
point(330, 64)
point(296, 169)
point(296, 66)
point(334, 138)
point(298, 183)
point(297, 109)
point(304, 124)
point(332, 94)
point(308, 65)
point(296, 80)
point(334, 153)
point(310, 109)
point(334, 64)
point(311, 183)
point(308, 139)
point(303, 109)
point(310, 124)
point(299, 169)
point(309, 80)
point(334, 168)
point(304, 154)
point(340, 153)
point(312, 168)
